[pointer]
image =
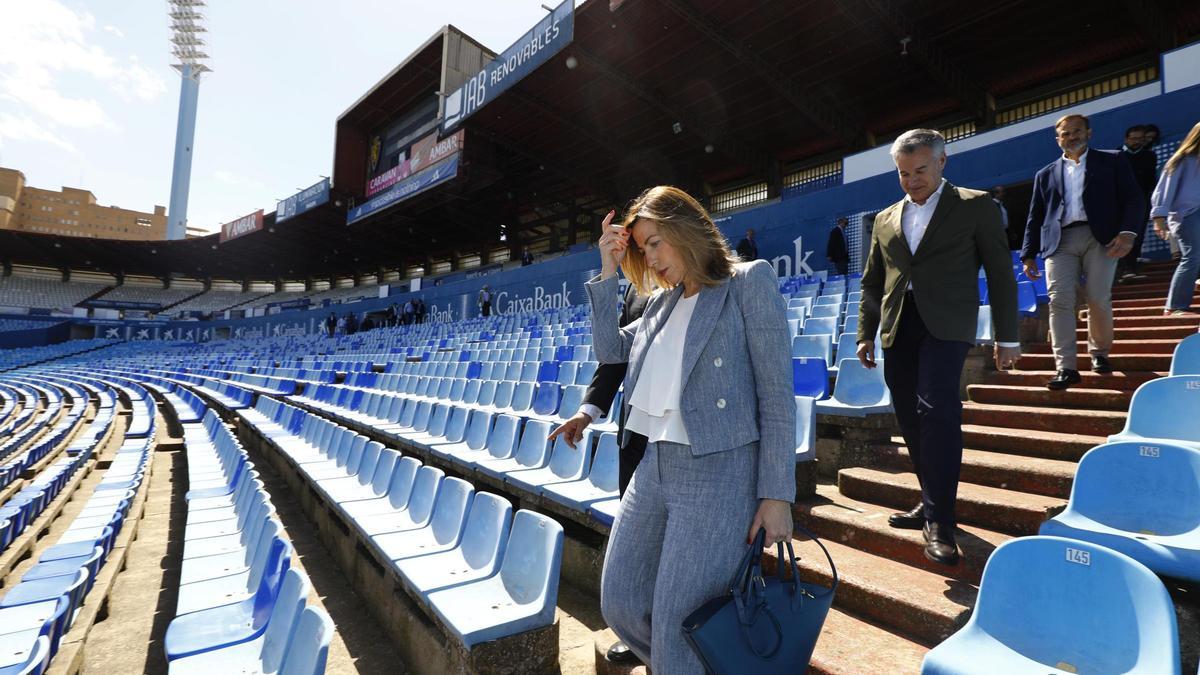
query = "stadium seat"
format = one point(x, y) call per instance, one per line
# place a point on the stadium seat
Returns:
point(1186, 359)
point(1026, 299)
point(810, 378)
point(1164, 411)
point(25, 653)
point(1140, 499)
point(545, 399)
point(822, 326)
point(415, 513)
point(806, 429)
point(566, 464)
point(259, 582)
point(532, 453)
point(443, 530)
point(600, 483)
point(520, 598)
point(825, 311)
point(812, 347)
point(984, 332)
point(1048, 604)
point(477, 557)
point(858, 391)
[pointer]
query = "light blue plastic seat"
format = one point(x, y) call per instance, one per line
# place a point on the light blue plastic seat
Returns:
point(831, 299)
point(810, 377)
point(572, 398)
point(49, 618)
point(1164, 411)
point(444, 528)
point(366, 484)
point(1186, 359)
point(532, 453)
point(521, 597)
point(24, 653)
point(309, 645)
point(522, 398)
point(266, 570)
point(398, 490)
point(415, 514)
point(1140, 499)
point(985, 333)
point(859, 391)
point(587, 370)
point(479, 425)
point(50, 589)
point(812, 347)
point(1054, 605)
point(235, 562)
point(487, 393)
point(822, 326)
point(806, 429)
point(1026, 299)
point(601, 481)
point(545, 399)
point(566, 464)
point(503, 395)
point(501, 444)
point(823, 311)
point(208, 642)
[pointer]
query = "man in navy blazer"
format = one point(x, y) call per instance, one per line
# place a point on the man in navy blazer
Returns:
point(1084, 216)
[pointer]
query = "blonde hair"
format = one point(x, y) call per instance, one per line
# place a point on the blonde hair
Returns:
point(684, 224)
point(1189, 146)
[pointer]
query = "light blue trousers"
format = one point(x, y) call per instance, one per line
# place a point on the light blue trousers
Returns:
point(1184, 280)
point(677, 537)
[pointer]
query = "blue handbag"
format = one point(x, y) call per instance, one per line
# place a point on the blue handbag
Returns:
point(762, 625)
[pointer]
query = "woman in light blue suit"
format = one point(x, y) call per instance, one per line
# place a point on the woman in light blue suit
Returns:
point(709, 384)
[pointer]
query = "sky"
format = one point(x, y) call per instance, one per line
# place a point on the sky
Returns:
point(88, 97)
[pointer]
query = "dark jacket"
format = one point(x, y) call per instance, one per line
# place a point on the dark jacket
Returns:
point(836, 249)
point(1111, 197)
point(747, 250)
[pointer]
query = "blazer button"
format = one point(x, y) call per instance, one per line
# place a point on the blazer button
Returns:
point(721, 403)
point(717, 362)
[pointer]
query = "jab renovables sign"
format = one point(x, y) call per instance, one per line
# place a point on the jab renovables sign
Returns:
point(242, 226)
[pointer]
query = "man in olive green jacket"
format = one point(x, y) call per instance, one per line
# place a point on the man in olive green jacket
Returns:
point(920, 293)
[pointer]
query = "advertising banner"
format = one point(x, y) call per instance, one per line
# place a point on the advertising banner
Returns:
point(307, 199)
point(423, 154)
point(242, 226)
point(533, 49)
point(415, 184)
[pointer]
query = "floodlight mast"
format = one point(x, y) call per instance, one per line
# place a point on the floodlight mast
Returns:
point(187, 47)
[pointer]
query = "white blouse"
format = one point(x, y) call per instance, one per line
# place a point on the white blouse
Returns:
point(655, 410)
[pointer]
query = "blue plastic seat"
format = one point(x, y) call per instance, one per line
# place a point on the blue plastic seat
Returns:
point(566, 464)
point(1164, 411)
point(520, 598)
point(1026, 299)
point(824, 311)
point(600, 483)
point(859, 391)
point(806, 429)
point(501, 444)
point(532, 453)
point(522, 398)
point(478, 555)
point(572, 398)
point(43, 590)
point(984, 330)
point(822, 326)
point(204, 643)
point(443, 530)
point(479, 425)
point(1186, 359)
point(309, 645)
point(415, 514)
point(1054, 605)
point(396, 495)
point(812, 347)
point(545, 400)
point(266, 571)
point(1140, 499)
point(810, 377)
point(25, 653)
point(587, 370)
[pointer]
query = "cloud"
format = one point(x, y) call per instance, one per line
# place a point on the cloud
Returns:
point(231, 178)
point(24, 128)
point(114, 30)
point(46, 42)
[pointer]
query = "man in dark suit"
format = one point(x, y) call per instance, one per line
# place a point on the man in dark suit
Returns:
point(1083, 218)
point(597, 401)
point(1145, 171)
point(836, 249)
point(747, 249)
point(920, 291)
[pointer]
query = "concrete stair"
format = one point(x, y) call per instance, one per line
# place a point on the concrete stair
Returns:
point(1022, 444)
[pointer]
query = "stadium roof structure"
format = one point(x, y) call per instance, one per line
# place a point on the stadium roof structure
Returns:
point(698, 93)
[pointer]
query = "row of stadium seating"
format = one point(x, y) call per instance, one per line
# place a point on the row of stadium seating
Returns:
point(1084, 594)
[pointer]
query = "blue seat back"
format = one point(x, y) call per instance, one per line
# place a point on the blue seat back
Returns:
point(572, 397)
point(605, 464)
point(984, 332)
point(858, 385)
point(810, 377)
point(400, 487)
point(532, 559)
point(534, 443)
point(1186, 360)
point(456, 426)
point(424, 493)
point(504, 394)
point(567, 371)
point(822, 311)
point(522, 398)
point(383, 471)
point(478, 428)
point(450, 511)
point(284, 615)
point(471, 392)
point(502, 442)
point(822, 326)
point(487, 393)
point(806, 428)
point(587, 370)
point(486, 532)
point(1056, 600)
point(1166, 408)
point(812, 347)
point(1140, 488)
point(309, 645)
point(437, 422)
point(571, 463)
point(545, 399)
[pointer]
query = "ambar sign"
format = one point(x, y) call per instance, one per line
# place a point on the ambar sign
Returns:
point(242, 226)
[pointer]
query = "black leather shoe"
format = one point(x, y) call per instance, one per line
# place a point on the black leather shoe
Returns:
point(621, 653)
point(1100, 364)
point(909, 520)
point(1064, 379)
point(939, 544)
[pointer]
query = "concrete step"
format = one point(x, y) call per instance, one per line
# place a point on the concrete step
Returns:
point(863, 525)
point(1095, 399)
point(920, 604)
point(851, 645)
point(1035, 475)
point(1155, 309)
point(1159, 321)
point(1121, 362)
point(1148, 346)
point(1047, 444)
point(1120, 380)
point(1176, 333)
point(1024, 417)
point(1008, 511)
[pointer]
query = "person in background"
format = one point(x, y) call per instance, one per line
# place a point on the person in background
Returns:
point(999, 195)
point(1083, 217)
point(1145, 170)
point(351, 323)
point(420, 310)
point(331, 324)
point(747, 248)
point(1175, 205)
point(485, 301)
point(836, 249)
point(526, 258)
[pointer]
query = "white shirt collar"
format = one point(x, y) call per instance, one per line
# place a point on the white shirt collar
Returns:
point(1082, 158)
point(933, 198)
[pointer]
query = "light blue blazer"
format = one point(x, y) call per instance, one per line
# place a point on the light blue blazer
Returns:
point(737, 368)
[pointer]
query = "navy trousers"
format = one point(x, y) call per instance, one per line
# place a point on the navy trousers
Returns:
point(923, 374)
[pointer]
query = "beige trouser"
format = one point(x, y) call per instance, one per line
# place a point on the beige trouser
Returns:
point(1079, 254)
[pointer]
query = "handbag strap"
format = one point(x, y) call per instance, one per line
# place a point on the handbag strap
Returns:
point(750, 560)
point(792, 558)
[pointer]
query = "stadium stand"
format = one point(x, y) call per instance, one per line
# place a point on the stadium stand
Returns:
point(16, 291)
point(163, 297)
point(214, 301)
